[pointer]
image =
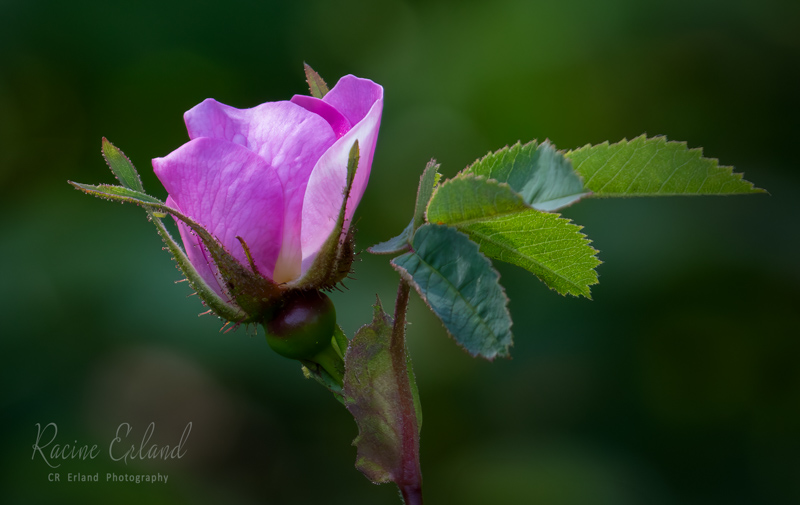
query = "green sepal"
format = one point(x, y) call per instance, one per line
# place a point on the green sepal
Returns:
point(120, 194)
point(210, 297)
point(121, 166)
point(335, 258)
point(316, 85)
point(253, 294)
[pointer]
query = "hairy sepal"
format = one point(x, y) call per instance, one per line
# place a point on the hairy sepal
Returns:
point(335, 258)
point(252, 295)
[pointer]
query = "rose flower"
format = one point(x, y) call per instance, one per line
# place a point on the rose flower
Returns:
point(269, 181)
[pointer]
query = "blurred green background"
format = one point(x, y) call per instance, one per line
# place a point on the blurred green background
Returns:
point(677, 384)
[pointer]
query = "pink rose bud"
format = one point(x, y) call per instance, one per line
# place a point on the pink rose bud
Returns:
point(270, 181)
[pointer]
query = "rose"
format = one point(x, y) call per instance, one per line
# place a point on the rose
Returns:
point(273, 176)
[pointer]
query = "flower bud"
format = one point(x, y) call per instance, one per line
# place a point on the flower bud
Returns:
point(265, 197)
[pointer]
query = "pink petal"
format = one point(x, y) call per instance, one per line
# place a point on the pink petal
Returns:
point(338, 122)
point(323, 198)
point(230, 191)
point(354, 97)
point(289, 138)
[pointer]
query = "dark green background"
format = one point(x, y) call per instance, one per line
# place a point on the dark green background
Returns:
point(677, 384)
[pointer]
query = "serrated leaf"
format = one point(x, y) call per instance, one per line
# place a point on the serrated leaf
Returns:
point(121, 166)
point(426, 185)
point(497, 219)
point(316, 85)
point(654, 167)
point(551, 247)
point(461, 287)
point(538, 172)
point(468, 197)
point(388, 433)
point(395, 245)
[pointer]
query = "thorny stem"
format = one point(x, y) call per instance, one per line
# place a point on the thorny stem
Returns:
point(410, 480)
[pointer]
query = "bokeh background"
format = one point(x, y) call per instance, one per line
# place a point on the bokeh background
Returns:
point(677, 384)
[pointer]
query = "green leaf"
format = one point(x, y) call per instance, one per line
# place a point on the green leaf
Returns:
point(654, 167)
point(316, 85)
point(551, 247)
point(505, 228)
point(426, 185)
point(538, 172)
point(372, 395)
point(461, 287)
point(121, 166)
point(395, 245)
point(466, 198)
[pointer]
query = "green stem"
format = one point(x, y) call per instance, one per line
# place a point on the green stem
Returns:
point(330, 360)
point(410, 479)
